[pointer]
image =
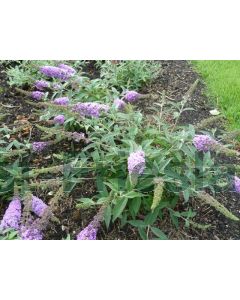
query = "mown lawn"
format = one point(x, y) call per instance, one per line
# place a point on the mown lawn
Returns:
point(223, 81)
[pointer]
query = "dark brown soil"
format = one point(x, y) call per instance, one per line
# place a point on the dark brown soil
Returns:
point(175, 79)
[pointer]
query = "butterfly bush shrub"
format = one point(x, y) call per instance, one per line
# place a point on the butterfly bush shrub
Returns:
point(145, 168)
point(129, 74)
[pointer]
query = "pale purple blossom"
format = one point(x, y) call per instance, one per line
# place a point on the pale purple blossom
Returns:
point(92, 109)
point(237, 184)
point(30, 232)
point(59, 119)
point(39, 146)
point(119, 104)
point(12, 215)
point(131, 96)
point(203, 142)
point(89, 232)
point(136, 162)
point(63, 101)
point(36, 95)
point(38, 206)
point(56, 72)
point(69, 69)
point(41, 85)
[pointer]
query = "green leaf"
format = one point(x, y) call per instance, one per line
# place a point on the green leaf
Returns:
point(151, 217)
point(119, 207)
point(133, 194)
point(159, 233)
point(137, 223)
point(186, 195)
point(85, 201)
point(174, 219)
point(135, 205)
point(142, 233)
point(12, 235)
point(113, 184)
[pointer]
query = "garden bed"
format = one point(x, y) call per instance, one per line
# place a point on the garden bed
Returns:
point(174, 82)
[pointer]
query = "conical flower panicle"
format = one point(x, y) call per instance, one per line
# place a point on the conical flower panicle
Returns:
point(12, 216)
point(36, 95)
point(56, 72)
point(90, 232)
point(30, 231)
point(90, 109)
point(158, 192)
point(136, 162)
point(38, 206)
point(131, 96)
point(41, 85)
point(204, 142)
point(218, 206)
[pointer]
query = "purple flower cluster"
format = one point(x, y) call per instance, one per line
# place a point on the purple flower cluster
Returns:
point(119, 104)
point(136, 162)
point(91, 109)
point(61, 101)
point(131, 96)
point(30, 232)
point(89, 232)
point(59, 119)
point(56, 72)
point(38, 206)
point(39, 146)
point(203, 142)
point(12, 218)
point(36, 95)
point(69, 69)
point(237, 184)
point(41, 85)
point(12, 215)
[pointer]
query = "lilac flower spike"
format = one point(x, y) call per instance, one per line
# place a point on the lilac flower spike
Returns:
point(63, 101)
point(237, 184)
point(12, 215)
point(39, 146)
point(59, 119)
point(38, 206)
point(69, 69)
point(41, 85)
point(119, 104)
point(56, 72)
point(30, 233)
point(37, 95)
point(91, 109)
point(203, 142)
point(136, 162)
point(131, 96)
point(88, 233)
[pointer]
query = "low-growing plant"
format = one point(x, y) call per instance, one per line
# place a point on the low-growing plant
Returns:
point(129, 74)
point(145, 168)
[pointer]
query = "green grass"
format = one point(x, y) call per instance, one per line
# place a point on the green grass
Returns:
point(223, 82)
